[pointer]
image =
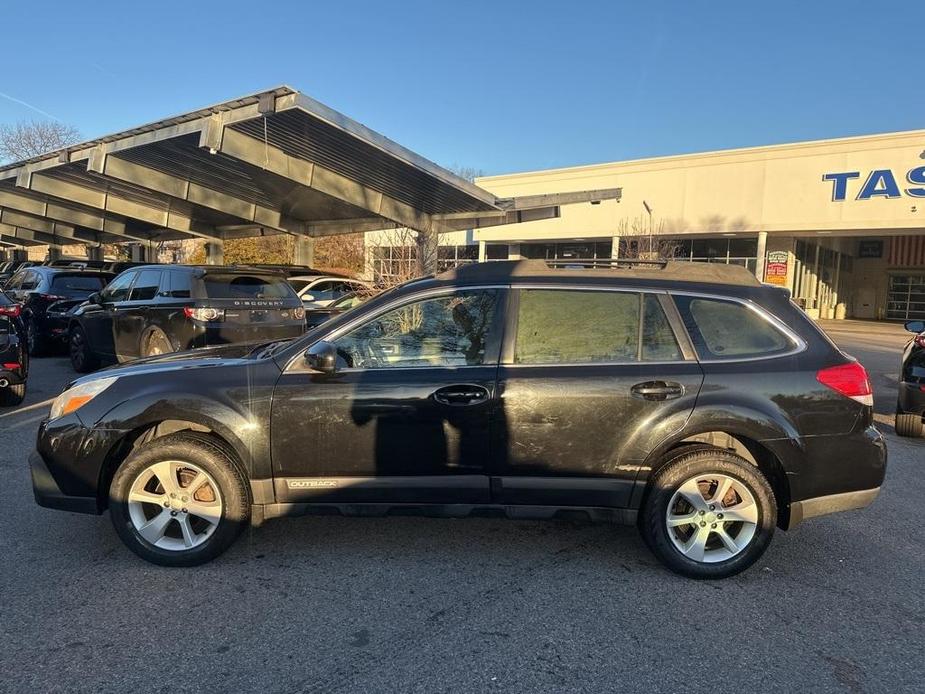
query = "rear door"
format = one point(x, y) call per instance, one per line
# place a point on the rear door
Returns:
point(590, 379)
point(132, 316)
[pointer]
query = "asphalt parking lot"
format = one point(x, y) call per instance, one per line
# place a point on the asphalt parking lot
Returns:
point(422, 605)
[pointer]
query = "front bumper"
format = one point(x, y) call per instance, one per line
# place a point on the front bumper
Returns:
point(48, 493)
point(833, 503)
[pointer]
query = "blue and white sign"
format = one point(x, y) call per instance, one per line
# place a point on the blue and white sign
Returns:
point(880, 183)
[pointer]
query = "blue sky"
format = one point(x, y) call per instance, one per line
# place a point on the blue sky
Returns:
point(499, 86)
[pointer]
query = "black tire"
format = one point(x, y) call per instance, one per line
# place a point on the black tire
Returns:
point(12, 395)
point(212, 456)
point(82, 357)
point(909, 425)
point(684, 464)
point(34, 341)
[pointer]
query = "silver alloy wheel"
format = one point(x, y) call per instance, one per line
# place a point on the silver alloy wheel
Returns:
point(712, 518)
point(175, 505)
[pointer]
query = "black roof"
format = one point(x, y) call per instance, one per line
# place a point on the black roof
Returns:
point(581, 270)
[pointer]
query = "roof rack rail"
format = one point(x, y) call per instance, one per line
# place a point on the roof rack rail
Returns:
point(608, 262)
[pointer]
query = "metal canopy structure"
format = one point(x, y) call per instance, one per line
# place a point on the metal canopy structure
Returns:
point(273, 162)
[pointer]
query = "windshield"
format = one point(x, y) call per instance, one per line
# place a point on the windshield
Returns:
point(237, 286)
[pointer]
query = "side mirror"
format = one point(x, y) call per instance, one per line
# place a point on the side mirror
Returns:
point(95, 298)
point(915, 326)
point(322, 357)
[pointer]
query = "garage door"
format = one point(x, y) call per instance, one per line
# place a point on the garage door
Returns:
point(906, 297)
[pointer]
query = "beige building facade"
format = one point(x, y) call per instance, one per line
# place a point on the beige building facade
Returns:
point(841, 223)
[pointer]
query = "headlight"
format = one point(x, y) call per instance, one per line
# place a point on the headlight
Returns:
point(74, 398)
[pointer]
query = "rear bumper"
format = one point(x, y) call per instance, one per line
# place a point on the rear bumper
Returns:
point(48, 493)
point(833, 503)
point(13, 378)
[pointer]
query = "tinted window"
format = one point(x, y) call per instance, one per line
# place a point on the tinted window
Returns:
point(299, 285)
point(444, 331)
point(729, 330)
point(145, 288)
point(322, 291)
point(30, 280)
point(180, 285)
point(576, 327)
point(658, 340)
point(76, 285)
point(117, 290)
point(236, 286)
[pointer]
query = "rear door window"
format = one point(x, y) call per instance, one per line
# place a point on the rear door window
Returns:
point(146, 286)
point(576, 327)
point(220, 285)
point(658, 339)
point(76, 285)
point(722, 329)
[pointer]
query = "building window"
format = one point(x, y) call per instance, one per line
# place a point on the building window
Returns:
point(575, 250)
point(731, 251)
point(496, 251)
point(398, 263)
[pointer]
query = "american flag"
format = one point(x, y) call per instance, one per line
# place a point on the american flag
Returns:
point(906, 251)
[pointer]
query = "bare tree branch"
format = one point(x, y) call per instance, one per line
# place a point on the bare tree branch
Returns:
point(30, 138)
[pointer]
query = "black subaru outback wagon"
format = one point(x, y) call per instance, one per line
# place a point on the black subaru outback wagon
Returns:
point(688, 399)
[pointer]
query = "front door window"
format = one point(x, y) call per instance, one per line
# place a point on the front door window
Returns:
point(445, 331)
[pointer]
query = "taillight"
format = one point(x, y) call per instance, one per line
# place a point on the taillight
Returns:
point(205, 314)
point(296, 313)
point(850, 380)
point(51, 297)
point(11, 311)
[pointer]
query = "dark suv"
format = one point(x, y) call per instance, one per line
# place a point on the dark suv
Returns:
point(910, 405)
point(688, 399)
point(42, 288)
point(14, 357)
point(159, 309)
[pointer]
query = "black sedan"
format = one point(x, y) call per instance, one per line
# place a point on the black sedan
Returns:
point(14, 357)
point(910, 407)
point(37, 288)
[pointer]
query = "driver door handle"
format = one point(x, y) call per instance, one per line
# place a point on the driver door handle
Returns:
point(461, 395)
point(657, 390)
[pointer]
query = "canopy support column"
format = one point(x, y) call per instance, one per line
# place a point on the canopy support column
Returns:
point(215, 253)
point(304, 251)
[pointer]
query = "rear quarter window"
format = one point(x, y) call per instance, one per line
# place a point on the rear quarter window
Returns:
point(722, 329)
point(238, 286)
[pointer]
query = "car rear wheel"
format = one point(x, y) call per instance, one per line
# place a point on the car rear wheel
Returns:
point(82, 357)
point(156, 342)
point(179, 500)
point(12, 395)
point(909, 425)
point(709, 513)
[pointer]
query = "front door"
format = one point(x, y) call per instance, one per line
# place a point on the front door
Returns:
point(588, 380)
point(405, 418)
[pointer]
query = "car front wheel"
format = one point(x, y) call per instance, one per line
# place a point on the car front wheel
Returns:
point(709, 513)
point(179, 500)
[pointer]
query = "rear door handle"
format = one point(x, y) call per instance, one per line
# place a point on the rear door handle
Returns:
point(657, 390)
point(461, 395)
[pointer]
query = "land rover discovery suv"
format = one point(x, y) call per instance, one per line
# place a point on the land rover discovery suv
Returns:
point(687, 399)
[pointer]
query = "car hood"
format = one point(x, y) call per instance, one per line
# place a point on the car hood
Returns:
point(206, 358)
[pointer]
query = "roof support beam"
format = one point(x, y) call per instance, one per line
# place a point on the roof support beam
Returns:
point(317, 177)
point(36, 237)
point(102, 162)
point(43, 207)
point(528, 202)
point(108, 201)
